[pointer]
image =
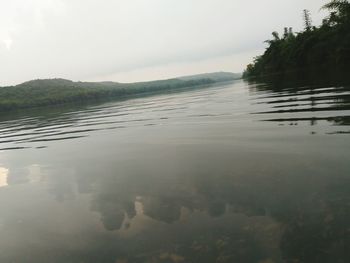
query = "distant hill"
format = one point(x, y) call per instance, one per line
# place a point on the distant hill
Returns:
point(46, 92)
point(58, 83)
point(215, 76)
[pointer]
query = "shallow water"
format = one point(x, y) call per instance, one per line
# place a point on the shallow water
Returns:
point(233, 173)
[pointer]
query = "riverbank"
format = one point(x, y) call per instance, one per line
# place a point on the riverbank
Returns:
point(39, 93)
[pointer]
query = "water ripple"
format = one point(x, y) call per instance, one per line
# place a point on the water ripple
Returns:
point(235, 103)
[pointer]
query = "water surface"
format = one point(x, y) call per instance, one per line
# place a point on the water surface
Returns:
point(233, 173)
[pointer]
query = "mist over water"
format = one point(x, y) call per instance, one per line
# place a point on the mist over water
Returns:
point(238, 172)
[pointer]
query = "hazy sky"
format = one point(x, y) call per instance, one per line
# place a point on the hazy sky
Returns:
point(133, 40)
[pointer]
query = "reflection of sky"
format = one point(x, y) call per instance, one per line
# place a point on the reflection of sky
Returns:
point(3, 176)
point(21, 175)
point(203, 180)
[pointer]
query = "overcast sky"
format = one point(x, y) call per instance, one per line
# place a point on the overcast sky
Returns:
point(134, 40)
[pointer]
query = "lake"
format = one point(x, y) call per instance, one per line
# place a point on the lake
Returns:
point(237, 172)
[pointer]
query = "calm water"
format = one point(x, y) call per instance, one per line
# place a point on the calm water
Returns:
point(233, 173)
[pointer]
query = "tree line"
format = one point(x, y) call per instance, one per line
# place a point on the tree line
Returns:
point(48, 92)
point(325, 46)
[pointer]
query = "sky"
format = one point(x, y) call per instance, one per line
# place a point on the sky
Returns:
point(138, 40)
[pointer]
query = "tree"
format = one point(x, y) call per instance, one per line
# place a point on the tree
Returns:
point(340, 6)
point(326, 46)
point(307, 19)
point(275, 36)
point(339, 12)
point(291, 31)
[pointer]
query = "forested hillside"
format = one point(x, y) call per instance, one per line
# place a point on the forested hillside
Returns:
point(46, 92)
point(326, 46)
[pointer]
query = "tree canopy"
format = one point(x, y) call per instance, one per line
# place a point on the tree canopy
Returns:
point(326, 46)
point(47, 92)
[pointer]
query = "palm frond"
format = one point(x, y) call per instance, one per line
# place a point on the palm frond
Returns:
point(336, 5)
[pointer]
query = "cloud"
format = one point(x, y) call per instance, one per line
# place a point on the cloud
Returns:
point(89, 39)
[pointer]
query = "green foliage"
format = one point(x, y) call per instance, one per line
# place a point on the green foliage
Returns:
point(307, 19)
point(327, 46)
point(38, 93)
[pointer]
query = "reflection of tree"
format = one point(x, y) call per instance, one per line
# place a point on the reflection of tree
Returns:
point(341, 120)
point(323, 94)
point(319, 231)
point(216, 208)
point(113, 210)
point(114, 202)
point(162, 208)
point(315, 219)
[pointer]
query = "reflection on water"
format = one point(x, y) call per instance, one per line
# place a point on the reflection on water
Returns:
point(234, 173)
point(309, 104)
point(3, 176)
